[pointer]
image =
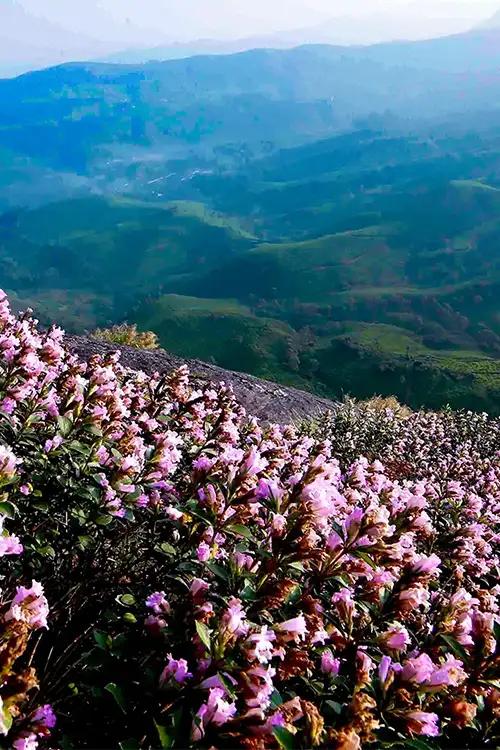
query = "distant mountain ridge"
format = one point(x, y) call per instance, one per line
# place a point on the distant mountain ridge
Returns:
point(85, 117)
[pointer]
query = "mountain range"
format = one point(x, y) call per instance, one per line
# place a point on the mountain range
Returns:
point(35, 34)
point(323, 216)
point(415, 22)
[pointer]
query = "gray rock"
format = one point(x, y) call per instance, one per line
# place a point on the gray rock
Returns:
point(270, 402)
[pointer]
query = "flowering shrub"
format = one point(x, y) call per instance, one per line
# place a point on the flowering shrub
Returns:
point(214, 582)
point(128, 335)
point(25, 612)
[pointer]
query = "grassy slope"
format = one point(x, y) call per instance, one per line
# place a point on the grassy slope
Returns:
point(382, 275)
point(224, 332)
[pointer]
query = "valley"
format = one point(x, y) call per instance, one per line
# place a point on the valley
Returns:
point(291, 214)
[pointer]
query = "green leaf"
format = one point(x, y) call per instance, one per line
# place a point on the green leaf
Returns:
point(165, 738)
point(46, 551)
point(204, 634)
point(456, 647)
point(65, 425)
point(117, 694)
point(7, 719)
point(240, 530)
point(248, 593)
point(7, 509)
point(366, 558)
point(227, 686)
point(104, 520)
point(218, 570)
point(167, 549)
point(334, 706)
point(93, 430)
point(284, 738)
point(75, 445)
point(127, 600)
point(419, 744)
point(41, 506)
point(103, 640)
point(276, 699)
point(130, 617)
point(84, 541)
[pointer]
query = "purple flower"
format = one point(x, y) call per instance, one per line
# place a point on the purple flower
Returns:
point(203, 552)
point(233, 619)
point(396, 638)
point(216, 711)
point(296, 627)
point(418, 670)
point(176, 669)
point(426, 565)
point(261, 645)
point(29, 605)
point(158, 603)
point(329, 664)
point(383, 668)
point(45, 716)
point(26, 742)
point(10, 545)
point(423, 723)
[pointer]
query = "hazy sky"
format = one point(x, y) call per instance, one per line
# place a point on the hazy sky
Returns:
point(183, 19)
point(38, 33)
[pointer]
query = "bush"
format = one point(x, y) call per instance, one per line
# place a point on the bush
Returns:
point(127, 335)
point(214, 582)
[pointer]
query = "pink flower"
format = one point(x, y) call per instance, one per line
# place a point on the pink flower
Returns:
point(418, 670)
point(396, 638)
point(29, 605)
point(451, 673)
point(10, 545)
point(261, 686)
point(423, 723)
point(344, 603)
point(414, 597)
point(203, 552)
point(278, 523)
point(426, 565)
point(26, 742)
point(365, 666)
point(176, 669)
point(243, 561)
point(8, 462)
point(261, 645)
point(45, 716)
point(296, 628)
point(254, 463)
point(329, 664)
point(233, 619)
point(334, 541)
point(158, 603)
point(216, 710)
point(198, 586)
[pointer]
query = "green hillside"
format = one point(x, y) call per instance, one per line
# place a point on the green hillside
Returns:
point(364, 262)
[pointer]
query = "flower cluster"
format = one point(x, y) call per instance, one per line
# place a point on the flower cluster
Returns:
point(222, 583)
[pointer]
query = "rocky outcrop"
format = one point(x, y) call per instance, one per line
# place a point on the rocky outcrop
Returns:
point(268, 401)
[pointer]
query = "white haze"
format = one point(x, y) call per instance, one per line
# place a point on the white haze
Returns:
point(35, 33)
